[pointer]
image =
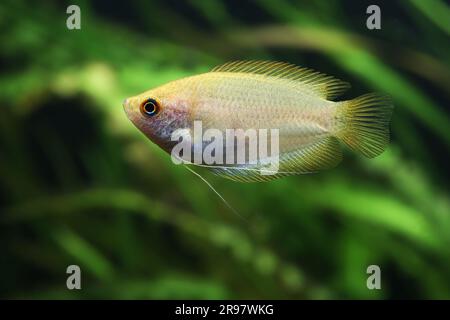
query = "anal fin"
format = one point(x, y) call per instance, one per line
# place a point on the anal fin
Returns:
point(321, 155)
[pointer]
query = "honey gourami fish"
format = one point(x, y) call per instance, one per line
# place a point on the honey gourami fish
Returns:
point(265, 94)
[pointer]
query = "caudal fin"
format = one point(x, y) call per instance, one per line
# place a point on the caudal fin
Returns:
point(363, 123)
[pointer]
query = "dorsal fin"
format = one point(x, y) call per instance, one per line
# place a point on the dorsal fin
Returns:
point(322, 85)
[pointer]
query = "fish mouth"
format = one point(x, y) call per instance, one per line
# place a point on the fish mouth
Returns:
point(131, 113)
point(125, 103)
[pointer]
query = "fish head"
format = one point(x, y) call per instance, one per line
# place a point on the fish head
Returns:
point(158, 113)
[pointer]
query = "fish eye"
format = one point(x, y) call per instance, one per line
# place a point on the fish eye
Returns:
point(150, 107)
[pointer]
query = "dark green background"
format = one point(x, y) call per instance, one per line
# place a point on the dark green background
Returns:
point(80, 185)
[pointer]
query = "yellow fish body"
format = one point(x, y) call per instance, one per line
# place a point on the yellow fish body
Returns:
point(267, 95)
